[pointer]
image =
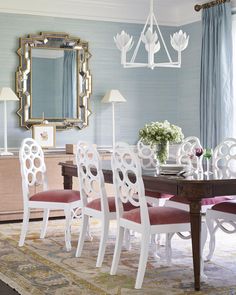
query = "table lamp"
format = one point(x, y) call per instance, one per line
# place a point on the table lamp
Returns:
point(113, 96)
point(6, 94)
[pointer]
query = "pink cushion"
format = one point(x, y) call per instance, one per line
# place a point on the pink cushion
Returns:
point(207, 201)
point(96, 205)
point(159, 215)
point(157, 195)
point(59, 196)
point(228, 207)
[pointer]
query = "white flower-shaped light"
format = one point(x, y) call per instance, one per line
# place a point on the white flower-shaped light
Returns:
point(124, 41)
point(151, 41)
point(179, 40)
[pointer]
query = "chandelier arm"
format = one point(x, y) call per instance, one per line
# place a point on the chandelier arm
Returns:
point(135, 65)
point(162, 39)
point(179, 58)
point(151, 15)
point(139, 41)
point(145, 65)
point(167, 65)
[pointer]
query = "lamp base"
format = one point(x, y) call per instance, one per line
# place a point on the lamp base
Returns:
point(6, 154)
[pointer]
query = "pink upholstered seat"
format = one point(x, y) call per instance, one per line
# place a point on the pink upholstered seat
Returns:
point(207, 201)
point(56, 196)
point(159, 215)
point(96, 205)
point(228, 207)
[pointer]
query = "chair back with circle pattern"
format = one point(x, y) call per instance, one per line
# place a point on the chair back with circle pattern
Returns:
point(186, 151)
point(33, 168)
point(127, 179)
point(224, 158)
point(146, 155)
point(90, 174)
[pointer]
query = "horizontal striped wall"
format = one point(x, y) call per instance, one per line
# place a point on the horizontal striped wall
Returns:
point(151, 94)
point(188, 80)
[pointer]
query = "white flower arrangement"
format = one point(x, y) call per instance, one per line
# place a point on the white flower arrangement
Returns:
point(161, 133)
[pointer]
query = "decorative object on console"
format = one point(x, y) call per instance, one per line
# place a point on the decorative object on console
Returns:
point(70, 148)
point(149, 37)
point(113, 96)
point(44, 134)
point(6, 94)
point(159, 135)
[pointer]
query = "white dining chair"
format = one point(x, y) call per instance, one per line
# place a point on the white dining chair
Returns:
point(129, 187)
point(186, 151)
point(222, 215)
point(33, 172)
point(149, 162)
point(186, 155)
point(95, 202)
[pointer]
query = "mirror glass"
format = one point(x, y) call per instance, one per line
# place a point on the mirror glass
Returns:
point(53, 80)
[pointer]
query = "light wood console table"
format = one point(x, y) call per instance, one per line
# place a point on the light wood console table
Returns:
point(11, 200)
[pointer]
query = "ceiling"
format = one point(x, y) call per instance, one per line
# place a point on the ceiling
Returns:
point(168, 12)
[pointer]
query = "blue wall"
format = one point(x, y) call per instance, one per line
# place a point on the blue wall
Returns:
point(151, 95)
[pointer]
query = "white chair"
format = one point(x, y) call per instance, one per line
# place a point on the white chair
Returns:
point(33, 172)
point(223, 215)
point(186, 155)
point(186, 151)
point(95, 202)
point(224, 158)
point(127, 178)
point(149, 162)
point(220, 216)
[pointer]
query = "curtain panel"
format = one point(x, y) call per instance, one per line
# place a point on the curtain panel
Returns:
point(69, 100)
point(216, 95)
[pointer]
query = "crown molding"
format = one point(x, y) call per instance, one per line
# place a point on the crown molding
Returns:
point(168, 12)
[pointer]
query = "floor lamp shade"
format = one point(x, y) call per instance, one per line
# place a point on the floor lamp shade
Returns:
point(113, 96)
point(6, 94)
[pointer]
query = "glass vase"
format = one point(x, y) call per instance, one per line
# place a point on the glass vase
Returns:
point(162, 152)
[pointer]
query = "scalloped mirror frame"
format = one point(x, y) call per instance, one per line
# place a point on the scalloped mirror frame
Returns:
point(24, 87)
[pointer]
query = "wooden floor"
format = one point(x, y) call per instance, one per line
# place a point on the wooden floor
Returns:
point(6, 290)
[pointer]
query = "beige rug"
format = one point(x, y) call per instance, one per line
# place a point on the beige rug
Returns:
point(44, 267)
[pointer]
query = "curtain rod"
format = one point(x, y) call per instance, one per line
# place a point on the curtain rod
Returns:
point(198, 7)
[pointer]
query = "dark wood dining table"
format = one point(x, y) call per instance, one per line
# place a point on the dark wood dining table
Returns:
point(194, 190)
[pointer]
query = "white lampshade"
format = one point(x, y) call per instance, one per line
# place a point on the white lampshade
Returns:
point(113, 96)
point(7, 93)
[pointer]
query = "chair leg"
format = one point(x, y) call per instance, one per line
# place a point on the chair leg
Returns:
point(117, 251)
point(145, 238)
point(127, 239)
point(203, 242)
point(102, 246)
point(169, 236)
point(45, 223)
point(25, 225)
point(84, 227)
point(68, 216)
point(212, 231)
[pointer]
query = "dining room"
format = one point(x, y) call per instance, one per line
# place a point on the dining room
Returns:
point(118, 147)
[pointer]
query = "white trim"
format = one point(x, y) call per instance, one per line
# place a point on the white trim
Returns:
point(169, 13)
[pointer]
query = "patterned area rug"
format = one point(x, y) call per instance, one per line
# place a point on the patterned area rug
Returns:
point(44, 267)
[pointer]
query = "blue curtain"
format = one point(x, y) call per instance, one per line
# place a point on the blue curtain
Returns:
point(69, 100)
point(216, 96)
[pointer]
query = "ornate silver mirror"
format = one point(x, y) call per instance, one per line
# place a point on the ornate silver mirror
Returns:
point(53, 80)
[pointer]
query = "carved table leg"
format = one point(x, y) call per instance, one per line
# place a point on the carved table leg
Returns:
point(67, 179)
point(67, 182)
point(195, 219)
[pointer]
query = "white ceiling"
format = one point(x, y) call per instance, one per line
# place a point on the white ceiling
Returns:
point(168, 12)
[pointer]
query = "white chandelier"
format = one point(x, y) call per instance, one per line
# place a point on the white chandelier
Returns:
point(149, 37)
